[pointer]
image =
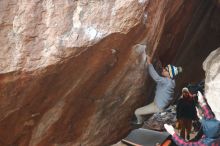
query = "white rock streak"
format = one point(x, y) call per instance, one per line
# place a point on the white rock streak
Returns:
point(49, 6)
point(145, 18)
point(92, 33)
point(76, 17)
point(46, 122)
point(18, 27)
point(142, 1)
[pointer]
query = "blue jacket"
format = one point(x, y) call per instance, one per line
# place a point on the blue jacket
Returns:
point(164, 89)
point(211, 130)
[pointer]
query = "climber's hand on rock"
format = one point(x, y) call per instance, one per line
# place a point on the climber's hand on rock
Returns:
point(148, 60)
point(169, 129)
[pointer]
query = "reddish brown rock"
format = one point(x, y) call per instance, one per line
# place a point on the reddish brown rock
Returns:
point(72, 72)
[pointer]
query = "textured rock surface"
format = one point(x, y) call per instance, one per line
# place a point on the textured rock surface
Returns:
point(39, 33)
point(201, 38)
point(68, 69)
point(72, 72)
point(212, 81)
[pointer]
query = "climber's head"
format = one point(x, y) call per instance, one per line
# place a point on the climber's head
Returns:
point(172, 71)
point(165, 73)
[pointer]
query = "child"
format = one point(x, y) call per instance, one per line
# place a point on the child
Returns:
point(164, 90)
point(210, 127)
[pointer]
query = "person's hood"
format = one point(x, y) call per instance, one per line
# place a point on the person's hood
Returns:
point(211, 128)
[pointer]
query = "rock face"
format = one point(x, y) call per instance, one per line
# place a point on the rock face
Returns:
point(201, 38)
point(69, 70)
point(212, 86)
point(72, 72)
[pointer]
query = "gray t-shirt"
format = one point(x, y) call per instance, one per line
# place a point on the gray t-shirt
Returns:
point(164, 89)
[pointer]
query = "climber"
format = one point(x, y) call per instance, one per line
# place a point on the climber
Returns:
point(186, 112)
point(164, 90)
point(210, 127)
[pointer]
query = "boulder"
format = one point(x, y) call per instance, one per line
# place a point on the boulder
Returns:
point(212, 81)
point(73, 72)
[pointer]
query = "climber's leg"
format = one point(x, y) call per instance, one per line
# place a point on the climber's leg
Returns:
point(145, 110)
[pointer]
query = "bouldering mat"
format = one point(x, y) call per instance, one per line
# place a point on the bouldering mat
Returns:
point(145, 137)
